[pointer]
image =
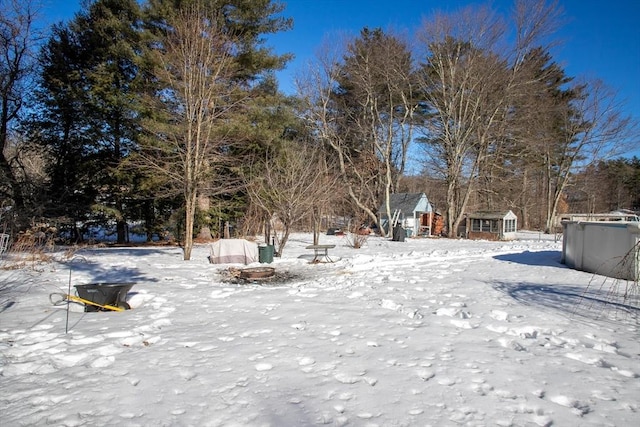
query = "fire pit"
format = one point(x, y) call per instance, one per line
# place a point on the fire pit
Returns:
point(256, 275)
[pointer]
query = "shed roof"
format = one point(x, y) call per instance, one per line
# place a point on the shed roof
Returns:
point(492, 215)
point(407, 203)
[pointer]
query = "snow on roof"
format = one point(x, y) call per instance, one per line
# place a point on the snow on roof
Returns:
point(491, 215)
point(407, 203)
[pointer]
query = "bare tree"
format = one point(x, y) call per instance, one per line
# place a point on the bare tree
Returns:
point(187, 146)
point(591, 128)
point(471, 78)
point(17, 41)
point(290, 185)
point(363, 107)
point(511, 177)
point(378, 78)
point(464, 84)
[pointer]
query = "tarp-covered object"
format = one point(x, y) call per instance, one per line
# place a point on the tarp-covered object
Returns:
point(233, 251)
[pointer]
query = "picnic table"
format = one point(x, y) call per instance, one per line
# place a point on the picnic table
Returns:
point(321, 252)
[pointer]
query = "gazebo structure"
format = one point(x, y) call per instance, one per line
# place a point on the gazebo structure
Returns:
point(492, 225)
point(412, 211)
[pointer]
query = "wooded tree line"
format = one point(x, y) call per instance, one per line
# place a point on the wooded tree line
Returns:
point(168, 113)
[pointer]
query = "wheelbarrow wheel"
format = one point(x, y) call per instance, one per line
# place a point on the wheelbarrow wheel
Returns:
point(124, 305)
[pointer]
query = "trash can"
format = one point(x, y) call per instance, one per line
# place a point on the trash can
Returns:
point(265, 253)
point(114, 294)
point(399, 233)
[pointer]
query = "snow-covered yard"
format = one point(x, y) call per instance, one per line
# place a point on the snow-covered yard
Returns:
point(424, 332)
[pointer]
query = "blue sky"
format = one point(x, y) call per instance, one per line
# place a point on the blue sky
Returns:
point(601, 38)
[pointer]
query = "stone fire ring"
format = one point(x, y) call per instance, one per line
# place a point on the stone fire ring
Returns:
point(254, 273)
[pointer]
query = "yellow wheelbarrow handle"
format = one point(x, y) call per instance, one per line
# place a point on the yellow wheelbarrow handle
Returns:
point(86, 301)
point(83, 301)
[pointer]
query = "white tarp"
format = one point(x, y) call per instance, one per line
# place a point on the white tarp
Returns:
point(233, 251)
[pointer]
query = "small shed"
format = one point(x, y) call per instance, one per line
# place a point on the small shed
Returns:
point(492, 225)
point(412, 211)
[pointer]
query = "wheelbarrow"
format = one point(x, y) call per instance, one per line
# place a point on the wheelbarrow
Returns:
point(97, 296)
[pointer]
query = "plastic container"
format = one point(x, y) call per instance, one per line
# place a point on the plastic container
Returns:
point(398, 234)
point(114, 294)
point(265, 253)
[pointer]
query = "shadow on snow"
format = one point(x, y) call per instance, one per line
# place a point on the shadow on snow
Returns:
point(541, 258)
point(575, 301)
point(102, 274)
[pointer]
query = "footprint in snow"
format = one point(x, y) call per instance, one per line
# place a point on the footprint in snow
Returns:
point(482, 388)
point(118, 334)
point(580, 408)
point(187, 374)
point(595, 361)
point(103, 362)
point(260, 367)
point(606, 348)
point(542, 420)
point(68, 360)
point(447, 311)
point(463, 324)
point(346, 378)
point(502, 316)
point(425, 374)
point(365, 415)
point(447, 381)
point(509, 343)
point(625, 372)
point(346, 396)
point(306, 361)
point(86, 340)
point(370, 380)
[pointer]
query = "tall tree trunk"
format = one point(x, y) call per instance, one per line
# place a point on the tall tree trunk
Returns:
point(121, 221)
point(451, 208)
point(524, 209)
point(204, 204)
point(5, 167)
point(190, 213)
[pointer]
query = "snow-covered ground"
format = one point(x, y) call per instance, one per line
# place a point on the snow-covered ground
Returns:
point(424, 332)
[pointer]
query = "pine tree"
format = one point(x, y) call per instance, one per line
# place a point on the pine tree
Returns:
point(208, 56)
point(90, 111)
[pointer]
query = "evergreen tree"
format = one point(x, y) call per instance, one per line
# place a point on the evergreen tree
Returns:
point(208, 57)
point(63, 127)
point(532, 148)
point(90, 112)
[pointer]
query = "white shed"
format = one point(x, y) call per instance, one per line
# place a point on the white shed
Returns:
point(412, 211)
point(492, 225)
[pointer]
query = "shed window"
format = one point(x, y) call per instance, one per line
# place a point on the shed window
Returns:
point(484, 225)
point(509, 225)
